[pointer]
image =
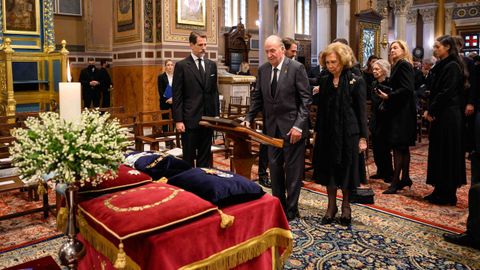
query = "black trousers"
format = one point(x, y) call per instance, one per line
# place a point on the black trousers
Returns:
point(105, 98)
point(473, 220)
point(196, 145)
point(263, 161)
point(287, 165)
point(91, 96)
point(475, 156)
point(382, 155)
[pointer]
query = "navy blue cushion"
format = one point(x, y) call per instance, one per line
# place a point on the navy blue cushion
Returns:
point(157, 165)
point(218, 187)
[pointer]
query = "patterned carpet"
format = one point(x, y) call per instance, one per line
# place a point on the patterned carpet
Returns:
point(399, 232)
point(407, 203)
point(376, 240)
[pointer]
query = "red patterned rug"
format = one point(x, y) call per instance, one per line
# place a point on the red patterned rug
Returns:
point(408, 203)
point(24, 230)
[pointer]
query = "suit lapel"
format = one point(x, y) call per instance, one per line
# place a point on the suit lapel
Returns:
point(207, 73)
point(194, 69)
point(267, 78)
point(282, 75)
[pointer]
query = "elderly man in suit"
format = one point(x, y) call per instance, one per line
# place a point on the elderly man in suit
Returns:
point(195, 94)
point(282, 93)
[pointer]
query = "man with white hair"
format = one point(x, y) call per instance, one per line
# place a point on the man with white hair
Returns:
point(282, 93)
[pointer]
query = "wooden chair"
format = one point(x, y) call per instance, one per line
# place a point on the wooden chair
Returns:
point(152, 129)
point(128, 121)
point(236, 100)
point(113, 110)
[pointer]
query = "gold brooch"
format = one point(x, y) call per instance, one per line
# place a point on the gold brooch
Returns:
point(352, 81)
point(133, 172)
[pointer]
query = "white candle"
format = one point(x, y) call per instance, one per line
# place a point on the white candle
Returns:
point(70, 101)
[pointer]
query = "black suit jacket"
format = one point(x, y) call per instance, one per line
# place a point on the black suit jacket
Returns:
point(162, 85)
point(194, 97)
point(289, 107)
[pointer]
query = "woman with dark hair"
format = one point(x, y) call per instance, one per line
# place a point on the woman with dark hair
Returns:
point(446, 160)
point(367, 74)
point(341, 128)
point(402, 115)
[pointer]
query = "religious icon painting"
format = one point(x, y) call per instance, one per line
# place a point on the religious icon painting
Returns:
point(21, 17)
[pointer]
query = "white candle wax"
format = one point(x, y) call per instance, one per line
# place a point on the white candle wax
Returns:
point(70, 101)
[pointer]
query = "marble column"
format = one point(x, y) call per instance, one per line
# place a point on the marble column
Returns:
point(323, 24)
point(383, 10)
point(400, 10)
point(286, 18)
point(343, 19)
point(266, 26)
point(428, 15)
point(412, 28)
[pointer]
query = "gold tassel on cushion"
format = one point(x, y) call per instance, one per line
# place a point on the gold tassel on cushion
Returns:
point(161, 180)
point(227, 220)
point(62, 219)
point(41, 188)
point(121, 260)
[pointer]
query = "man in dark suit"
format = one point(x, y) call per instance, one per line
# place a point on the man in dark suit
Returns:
point(282, 93)
point(90, 80)
point(471, 237)
point(195, 94)
point(105, 83)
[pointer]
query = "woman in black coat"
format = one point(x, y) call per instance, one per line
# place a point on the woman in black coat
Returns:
point(446, 160)
point(402, 114)
point(379, 122)
point(164, 82)
point(341, 128)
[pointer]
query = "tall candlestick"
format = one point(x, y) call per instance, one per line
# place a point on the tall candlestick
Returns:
point(70, 101)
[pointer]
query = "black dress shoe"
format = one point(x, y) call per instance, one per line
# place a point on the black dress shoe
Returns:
point(293, 215)
point(405, 183)
point(392, 189)
point(345, 221)
point(443, 201)
point(462, 239)
point(265, 181)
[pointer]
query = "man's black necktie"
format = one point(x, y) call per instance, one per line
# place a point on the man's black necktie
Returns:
point(202, 71)
point(273, 86)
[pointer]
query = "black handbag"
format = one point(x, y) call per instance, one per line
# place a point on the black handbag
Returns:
point(363, 195)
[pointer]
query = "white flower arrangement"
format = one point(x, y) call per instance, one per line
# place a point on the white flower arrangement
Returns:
point(81, 152)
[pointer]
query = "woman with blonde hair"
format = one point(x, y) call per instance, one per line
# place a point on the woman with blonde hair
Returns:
point(402, 115)
point(341, 128)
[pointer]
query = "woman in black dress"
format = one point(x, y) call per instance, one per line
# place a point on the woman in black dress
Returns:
point(379, 122)
point(446, 160)
point(341, 128)
point(402, 114)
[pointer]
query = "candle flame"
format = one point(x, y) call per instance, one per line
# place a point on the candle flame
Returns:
point(69, 74)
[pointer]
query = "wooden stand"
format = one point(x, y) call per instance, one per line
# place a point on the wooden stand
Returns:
point(242, 159)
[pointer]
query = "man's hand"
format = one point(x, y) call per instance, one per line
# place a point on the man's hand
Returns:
point(169, 101)
point(469, 109)
point(295, 135)
point(245, 123)
point(362, 145)
point(428, 117)
point(94, 83)
point(316, 90)
point(180, 127)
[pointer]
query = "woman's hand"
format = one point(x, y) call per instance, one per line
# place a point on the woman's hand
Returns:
point(381, 94)
point(169, 101)
point(362, 145)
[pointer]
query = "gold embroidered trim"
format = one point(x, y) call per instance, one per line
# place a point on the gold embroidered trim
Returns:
point(249, 249)
point(110, 206)
point(117, 187)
